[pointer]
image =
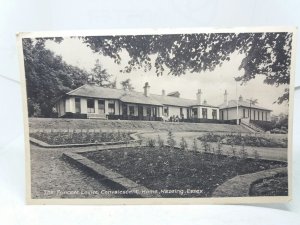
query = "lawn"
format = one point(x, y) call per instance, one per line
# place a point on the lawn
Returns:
point(174, 169)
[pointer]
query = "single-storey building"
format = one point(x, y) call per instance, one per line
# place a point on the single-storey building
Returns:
point(246, 110)
point(93, 101)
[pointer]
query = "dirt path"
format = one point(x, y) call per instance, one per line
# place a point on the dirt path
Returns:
point(265, 153)
point(54, 178)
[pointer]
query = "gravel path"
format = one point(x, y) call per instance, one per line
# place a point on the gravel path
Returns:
point(54, 178)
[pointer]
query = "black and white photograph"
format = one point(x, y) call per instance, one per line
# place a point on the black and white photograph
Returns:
point(164, 116)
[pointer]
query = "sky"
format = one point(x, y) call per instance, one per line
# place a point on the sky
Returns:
point(212, 84)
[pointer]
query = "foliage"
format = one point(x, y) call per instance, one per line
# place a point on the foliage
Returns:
point(126, 85)
point(195, 145)
point(243, 152)
point(205, 145)
point(140, 139)
point(266, 54)
point(81, 137)
point(100, 76)
point(150, 142)
point(219, 148)
point(170, 140)
point(160, 142)
point(47, 77)
point(183, 144)
point(256, 154)
point(249, 140)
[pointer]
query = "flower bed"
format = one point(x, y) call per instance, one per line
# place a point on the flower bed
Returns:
point(175, 170)
point(248, 140)
point(273, 186)
point(60, 138)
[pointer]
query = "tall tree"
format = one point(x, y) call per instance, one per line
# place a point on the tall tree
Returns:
point(266, 54)
point(100, 76)
point(126, 85)
point(48, 77)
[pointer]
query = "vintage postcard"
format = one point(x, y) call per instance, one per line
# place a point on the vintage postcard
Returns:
point(173, 116)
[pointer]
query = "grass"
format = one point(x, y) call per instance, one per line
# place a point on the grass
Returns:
point(64, 123)
point(174, 169)
point(59, 137)
point(248, 140)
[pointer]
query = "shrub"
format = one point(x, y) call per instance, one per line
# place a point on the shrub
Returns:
point(170, 140)
point(256, 154)
point(140, 139)
point(219, 148)
point(183, 144)
point(151, 142)
point(160, 142)
point(233, 150)
point(243, 152)
point(195, 146)
point(205, 145)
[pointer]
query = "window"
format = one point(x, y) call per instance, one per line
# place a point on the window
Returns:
point(77, 105)
point(258, 115)
point(148, 111)
point(222, 115)
point(195, 112)
point(124, 109)
point(166, 111)
point(90, 106)
point(214, 114)
point(204, 113)
point(101, 106)
point(154, 111)
point(181, 111)
point(262, 115)
point(244, 113)
point(111, 107)
point(131, 110)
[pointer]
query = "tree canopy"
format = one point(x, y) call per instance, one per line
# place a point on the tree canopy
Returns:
point(266, 54)
point(48, 77)
point(127, 85)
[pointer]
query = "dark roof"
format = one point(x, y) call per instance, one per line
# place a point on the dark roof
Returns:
point(246, 104)
point(95, 91)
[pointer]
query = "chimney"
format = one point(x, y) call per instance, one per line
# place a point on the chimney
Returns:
point(225, 97)
point(146, 89)
point(240, 98)
point(163, 92)
point(199, 93)
point(204, 102)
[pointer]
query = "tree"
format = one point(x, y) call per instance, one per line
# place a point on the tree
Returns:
point(48, 77)
point(126, 85)
point(100, 76)
point(266, 54)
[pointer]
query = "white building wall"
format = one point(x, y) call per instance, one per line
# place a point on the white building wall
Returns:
point(232, 115)
point(70, 104)
point(61, 107)
point(83, 105)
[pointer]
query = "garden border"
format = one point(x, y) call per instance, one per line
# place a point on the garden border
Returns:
point(112, 178)
point(46, 145)
point(240, 185)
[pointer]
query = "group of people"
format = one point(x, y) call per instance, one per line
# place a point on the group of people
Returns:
point(176, 118)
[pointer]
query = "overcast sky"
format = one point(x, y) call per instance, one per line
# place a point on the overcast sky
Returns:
point(212, 84)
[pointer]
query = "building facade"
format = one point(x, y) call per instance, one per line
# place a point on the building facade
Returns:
point(93, 101)
point(241, 109)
